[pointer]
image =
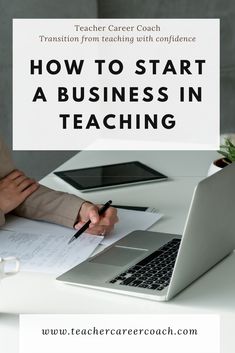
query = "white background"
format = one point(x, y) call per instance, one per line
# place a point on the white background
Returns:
point(37, 126)
point(207, 340)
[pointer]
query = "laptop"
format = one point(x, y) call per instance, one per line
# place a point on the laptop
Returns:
point(157, 266)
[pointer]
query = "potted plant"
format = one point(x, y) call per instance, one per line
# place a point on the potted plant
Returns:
point(227, 150)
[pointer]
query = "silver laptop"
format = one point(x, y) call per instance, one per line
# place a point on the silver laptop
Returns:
point(157, 266)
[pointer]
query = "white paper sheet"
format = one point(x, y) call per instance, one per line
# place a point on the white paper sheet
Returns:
point(43, 247)
point(129, 221)
point(47, 253)
point(21, 224)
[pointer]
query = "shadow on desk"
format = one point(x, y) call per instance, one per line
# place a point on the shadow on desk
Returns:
point(213, 293)
point(215, 289)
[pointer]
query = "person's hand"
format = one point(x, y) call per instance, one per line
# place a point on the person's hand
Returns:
point(100, 224)
point(14, 189)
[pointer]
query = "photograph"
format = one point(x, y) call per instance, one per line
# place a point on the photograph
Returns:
point(117, 151)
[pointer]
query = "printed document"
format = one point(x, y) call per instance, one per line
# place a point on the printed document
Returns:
point(43, 247)
point(47, 253)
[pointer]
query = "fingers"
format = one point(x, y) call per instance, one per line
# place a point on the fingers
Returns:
point(97, 229)
point(87, 212)
point(20, 180)
point(17, 181)
point(93, 215)
point(109, 217)
point(100, 230)
point(14, 174)
point(25, 183)
point(29, 190)
point(100, 224)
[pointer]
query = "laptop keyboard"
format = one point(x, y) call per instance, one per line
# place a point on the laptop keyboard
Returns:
point(154, 271)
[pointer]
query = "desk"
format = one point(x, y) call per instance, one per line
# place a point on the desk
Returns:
point(38, 293)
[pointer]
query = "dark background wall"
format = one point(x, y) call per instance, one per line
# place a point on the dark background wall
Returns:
point(223, 9)
point(36, 164)
point(39, 163)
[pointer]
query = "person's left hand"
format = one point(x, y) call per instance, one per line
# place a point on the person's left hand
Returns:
point(100, 224)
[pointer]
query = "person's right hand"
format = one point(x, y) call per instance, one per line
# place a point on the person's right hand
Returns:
point(14, 189)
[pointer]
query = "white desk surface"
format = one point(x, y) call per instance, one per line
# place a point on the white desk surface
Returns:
point(212, 293)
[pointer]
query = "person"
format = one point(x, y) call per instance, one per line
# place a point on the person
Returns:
point(25, 197)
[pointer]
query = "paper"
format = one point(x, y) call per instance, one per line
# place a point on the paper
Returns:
point(43, 247)
point(47, 253)
point(129, 221)
point(21, 224)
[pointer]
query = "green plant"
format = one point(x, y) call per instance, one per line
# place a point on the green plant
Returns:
point(228, 151)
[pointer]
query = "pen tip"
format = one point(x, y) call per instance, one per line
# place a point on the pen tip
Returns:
point(71, 240)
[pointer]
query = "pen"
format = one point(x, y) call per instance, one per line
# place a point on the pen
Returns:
point(86, 225)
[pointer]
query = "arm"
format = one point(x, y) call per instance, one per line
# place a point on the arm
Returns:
point(52, 206)
point(27, 198)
